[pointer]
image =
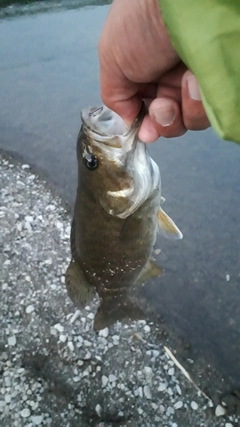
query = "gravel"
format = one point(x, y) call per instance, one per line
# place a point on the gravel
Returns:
point(54, 369)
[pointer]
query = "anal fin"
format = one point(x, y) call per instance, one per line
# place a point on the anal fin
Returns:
point(149, 271)
point(79, 290)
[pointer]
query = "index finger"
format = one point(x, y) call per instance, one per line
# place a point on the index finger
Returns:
point(117, 92)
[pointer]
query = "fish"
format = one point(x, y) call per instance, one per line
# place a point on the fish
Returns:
point(117, 215)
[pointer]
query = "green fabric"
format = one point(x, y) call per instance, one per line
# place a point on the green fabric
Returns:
point(206, 36)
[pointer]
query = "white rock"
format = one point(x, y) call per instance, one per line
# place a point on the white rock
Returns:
point(139, 392)
point(30, 308)
point(104, 380)
point(220, 411)
point(87, 356)
point(178, 405)
point(147, 392)
point(63, 338)
point(58, 327)
point(140, 411)
point(147, 329)
point(194, 405)
point(98, 410)
point(227, 277)
point(8, 398)
point(148, 370)
point(4, 286)
point(228, 425)
point(171, 371)
point(25, 166)
point(162, 387)
point(37, 419)
point(161, 409)
point(169, 411)
point(12, 340)
point(50, 208)
point(25, 413)
point(112, 378)
point(70, 346)
point(179, 391)
point(104, 333)
point(90, 316)
point(154, 406)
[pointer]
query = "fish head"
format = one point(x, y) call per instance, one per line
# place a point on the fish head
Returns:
point(113, 163)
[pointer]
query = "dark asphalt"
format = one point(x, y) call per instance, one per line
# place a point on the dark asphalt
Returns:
point(48, 73)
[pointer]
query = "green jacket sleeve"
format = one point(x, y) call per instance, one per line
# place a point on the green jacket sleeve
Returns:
point(206, 36)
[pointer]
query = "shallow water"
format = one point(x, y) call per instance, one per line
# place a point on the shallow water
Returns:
point(48, 73)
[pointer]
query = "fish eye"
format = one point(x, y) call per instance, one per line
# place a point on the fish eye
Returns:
point(91, 161)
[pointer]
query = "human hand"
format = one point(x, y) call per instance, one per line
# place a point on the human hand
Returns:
point(137, 61)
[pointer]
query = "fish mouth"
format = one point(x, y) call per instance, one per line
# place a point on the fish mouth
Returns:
point(106, 123)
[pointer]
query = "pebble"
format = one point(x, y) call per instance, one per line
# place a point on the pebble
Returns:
point(227, 277)
point(70, 346)
point(139, 392)
point(63, 338)
point(194, 405)
point(104, 380)
point(178, 405)
point(98, 410)
point(30, 309)
point(220, 411)
point(147, 392)
point(12, 341)
point(112, 378)
point(8, 398)
point(179, 391)
point(147, 329)
point(37, 419)
point(25, 413)
point(104, 333)
point(91, 316)
point(58, 327)
point(228, 425)
point(162, 387)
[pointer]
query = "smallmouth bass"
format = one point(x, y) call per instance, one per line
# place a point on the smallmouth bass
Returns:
point(117, 215)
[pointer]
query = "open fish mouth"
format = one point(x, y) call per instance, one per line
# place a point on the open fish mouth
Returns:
point(105, 122)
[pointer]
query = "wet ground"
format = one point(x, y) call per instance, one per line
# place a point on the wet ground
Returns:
point(48, 73)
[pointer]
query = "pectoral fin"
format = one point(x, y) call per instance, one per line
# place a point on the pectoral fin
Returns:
point(167, 227)
point(79, 290)
point(149, 271)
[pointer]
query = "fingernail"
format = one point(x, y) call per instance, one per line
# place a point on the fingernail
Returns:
point(193, 88)
point(164, 116)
